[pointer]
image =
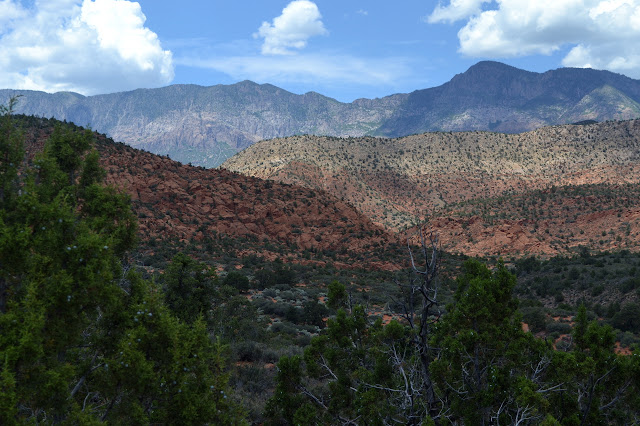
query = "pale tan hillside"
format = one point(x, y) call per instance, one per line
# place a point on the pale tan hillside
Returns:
point(398, 182)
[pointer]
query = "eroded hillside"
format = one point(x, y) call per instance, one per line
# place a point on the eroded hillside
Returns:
point(181, 202)
point(400, 182)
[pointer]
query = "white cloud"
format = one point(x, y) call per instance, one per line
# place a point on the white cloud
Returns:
point(299, 21)
point(86, 46)
point(9, 13)
point(456, 10)
point(601, 33)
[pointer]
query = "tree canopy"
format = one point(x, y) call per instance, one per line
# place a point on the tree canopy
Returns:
point(84, 339)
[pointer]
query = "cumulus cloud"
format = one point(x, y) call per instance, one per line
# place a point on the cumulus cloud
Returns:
point(86, 46)
point(601, 34)
point(289, 32)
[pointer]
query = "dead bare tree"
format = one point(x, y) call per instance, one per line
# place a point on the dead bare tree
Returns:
point(420, 308)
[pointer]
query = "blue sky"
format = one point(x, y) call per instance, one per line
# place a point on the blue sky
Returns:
point(344, 49)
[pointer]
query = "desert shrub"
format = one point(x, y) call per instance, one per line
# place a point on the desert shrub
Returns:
point(527, 265)
point(247, 351)
point(237, 280)
point(269, 293)
point(282, 287)
point(293, 314)
point(558, 327)
point(574, 274)
point(535, 317)
point(270, 308)
point(284, 327)
point(628, 318)
point(630, 285)
point(627, 339)
point(313, 313)
point(288, 295)
point(524, 303)
point(264, 278)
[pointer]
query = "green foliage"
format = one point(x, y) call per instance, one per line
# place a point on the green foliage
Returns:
point(237, 280)
point(486, 369)
point(313, 313)
point(535, 317)
point(484, 352)
point(337, 295)
point(190, 288)
point(602, 387)
point(628, 318)
point(11, 153)
point(84, 341)
point(278, 273)
point(286, 401)
point(353, 356)
point(527, 265)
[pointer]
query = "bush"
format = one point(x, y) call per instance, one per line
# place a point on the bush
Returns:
point(535, 317)
point(524, 303)
point(237, 280)
point(247, 351)
point(627, 339)
point(630, 285)
point(628, 318)
point(314, 313)
point(284, 327)
point(558, 327)
point(527, 265)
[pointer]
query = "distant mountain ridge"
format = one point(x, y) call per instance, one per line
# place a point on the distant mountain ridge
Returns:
point(206, 125)
point(498, 97)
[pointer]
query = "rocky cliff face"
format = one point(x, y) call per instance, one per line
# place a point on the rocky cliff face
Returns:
point(206, 125)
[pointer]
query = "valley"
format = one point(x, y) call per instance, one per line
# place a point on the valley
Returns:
point(291, 265)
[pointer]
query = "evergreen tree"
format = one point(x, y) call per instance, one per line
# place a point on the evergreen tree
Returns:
point(190, 288)
point(601, 387)
point(82, 340)
point(484, 368)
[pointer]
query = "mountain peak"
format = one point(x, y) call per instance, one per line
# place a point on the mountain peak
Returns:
point(495, 71)
point(492, 65)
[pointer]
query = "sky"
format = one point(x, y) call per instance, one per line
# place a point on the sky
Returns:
point(345, 49)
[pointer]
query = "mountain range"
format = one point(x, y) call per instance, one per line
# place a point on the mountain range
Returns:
point(206, 125)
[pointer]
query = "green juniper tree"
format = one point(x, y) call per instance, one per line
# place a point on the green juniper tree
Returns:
point(484, 367)
point(84, 339)
point(602, 387)
point(190, 288)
